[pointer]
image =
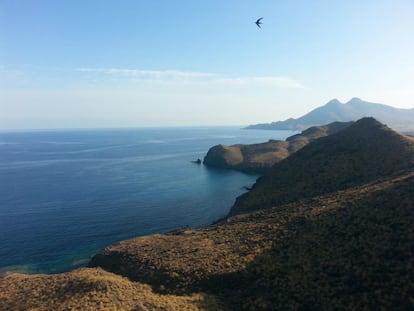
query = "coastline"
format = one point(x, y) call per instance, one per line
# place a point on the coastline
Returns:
point(275, 249)
point(105, 187)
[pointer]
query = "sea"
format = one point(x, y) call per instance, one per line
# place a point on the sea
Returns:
point(66, 194)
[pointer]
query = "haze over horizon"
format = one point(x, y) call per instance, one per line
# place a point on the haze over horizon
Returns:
point(133, 63)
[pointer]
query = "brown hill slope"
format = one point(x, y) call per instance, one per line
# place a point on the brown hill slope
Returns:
point(258, 158)
point(350, 249)
point(90, 289)
point(365, 151)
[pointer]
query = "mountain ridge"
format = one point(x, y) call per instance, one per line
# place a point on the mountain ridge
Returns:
point(364, 151)
point(397, 118)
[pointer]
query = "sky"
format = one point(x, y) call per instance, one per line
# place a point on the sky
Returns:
point(139, 63)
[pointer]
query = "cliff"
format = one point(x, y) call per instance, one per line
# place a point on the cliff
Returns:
point(258, 158)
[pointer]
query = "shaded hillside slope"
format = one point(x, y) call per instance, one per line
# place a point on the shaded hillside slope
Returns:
point(365, 151)
point(258, 158)
point(334, 110)
point(350, 249)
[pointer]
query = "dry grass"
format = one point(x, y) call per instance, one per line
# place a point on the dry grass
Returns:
point(91, 289)
point(352, 250)
point(280, 254)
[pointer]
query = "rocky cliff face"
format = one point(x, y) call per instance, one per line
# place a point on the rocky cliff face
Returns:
point(258, 158)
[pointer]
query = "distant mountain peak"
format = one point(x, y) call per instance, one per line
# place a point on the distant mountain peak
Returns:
point(333, 101)
point(354, 109)
point(355, 100)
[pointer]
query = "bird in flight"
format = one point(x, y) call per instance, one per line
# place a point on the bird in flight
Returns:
point(258, 22)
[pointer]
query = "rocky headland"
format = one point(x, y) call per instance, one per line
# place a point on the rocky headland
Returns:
point(364, 152)
point(258, 158)
point(327, 228)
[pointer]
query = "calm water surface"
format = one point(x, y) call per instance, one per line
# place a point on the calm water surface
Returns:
point(64, 195)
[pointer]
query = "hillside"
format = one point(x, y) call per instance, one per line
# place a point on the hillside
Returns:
point(91, 289)
point(330, 248)
point(363, 152)
point(258, 158)
point(330, 229)
point(334, 110)
point(346, 250)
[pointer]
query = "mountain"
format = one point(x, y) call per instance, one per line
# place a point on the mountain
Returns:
point(334, 110)
point(365, 151)
point(328, 228)
point(258, 158)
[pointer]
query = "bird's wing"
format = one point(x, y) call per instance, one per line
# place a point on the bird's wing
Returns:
point(258, 23)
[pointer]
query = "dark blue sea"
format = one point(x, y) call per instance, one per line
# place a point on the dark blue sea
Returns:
point(66, 194)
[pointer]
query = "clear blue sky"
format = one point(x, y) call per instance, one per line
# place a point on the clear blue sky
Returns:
point(102, 63)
